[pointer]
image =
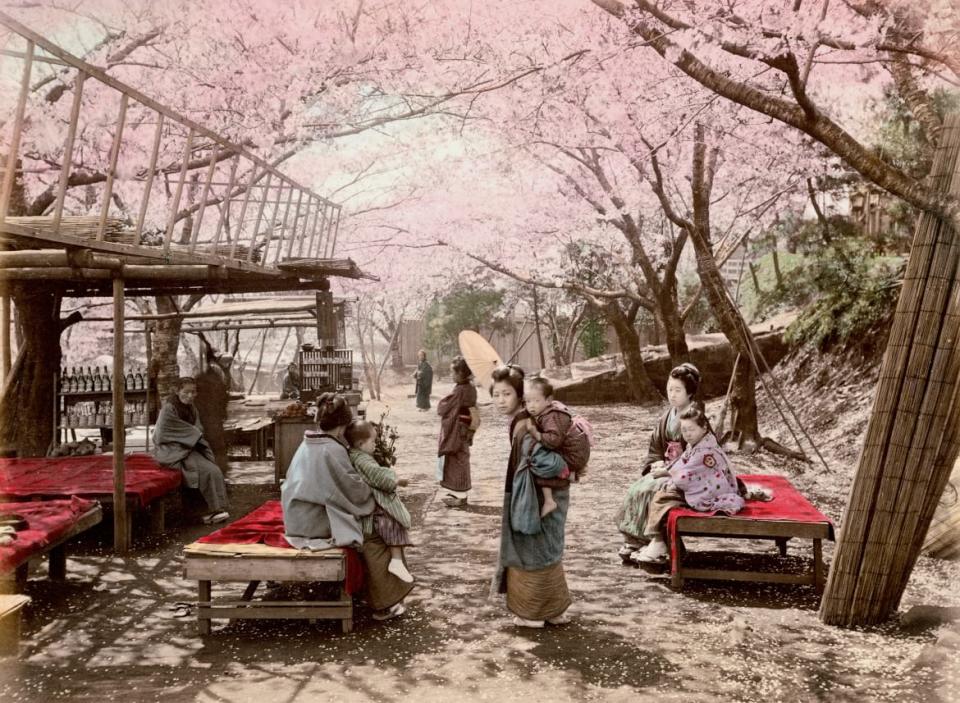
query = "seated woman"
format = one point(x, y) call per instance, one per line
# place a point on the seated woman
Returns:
point(701, 478)
point(326, 503)
point(180, 444)
point(666, 444)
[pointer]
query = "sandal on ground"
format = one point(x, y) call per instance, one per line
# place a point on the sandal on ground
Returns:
point(561, 619)
point(394, 611)
point(521, 622)
point(654, 553)
point(215, 518)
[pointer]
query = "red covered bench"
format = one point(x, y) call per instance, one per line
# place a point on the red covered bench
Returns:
point(50, 524)
point(253, 549)
point(789, 515)
point(146, 482)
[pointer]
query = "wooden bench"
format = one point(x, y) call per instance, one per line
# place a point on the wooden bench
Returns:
point(248, 551)
point(257, 563)
point(758, 520)
point(10, 607)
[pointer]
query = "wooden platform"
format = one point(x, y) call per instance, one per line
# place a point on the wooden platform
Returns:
point(10, 609)
point(256, 563)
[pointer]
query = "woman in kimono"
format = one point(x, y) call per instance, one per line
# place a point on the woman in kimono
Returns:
point(180, 444)
point(666, 444)
point(424, 379)
point(326, 503)
point(458, 417)
point(530, 564)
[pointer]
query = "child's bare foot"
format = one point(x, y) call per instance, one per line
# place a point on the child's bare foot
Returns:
point(549, 505)
point(399, 569)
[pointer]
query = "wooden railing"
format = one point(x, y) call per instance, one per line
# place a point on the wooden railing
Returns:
point(247, 210)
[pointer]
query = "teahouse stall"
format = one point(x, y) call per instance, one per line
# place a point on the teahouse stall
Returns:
point(245, 227)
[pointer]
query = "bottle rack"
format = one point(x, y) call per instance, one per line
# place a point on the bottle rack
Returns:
point(85, 399)
point(325, 370)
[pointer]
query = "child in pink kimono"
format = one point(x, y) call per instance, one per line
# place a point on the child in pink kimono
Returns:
point(700, 478)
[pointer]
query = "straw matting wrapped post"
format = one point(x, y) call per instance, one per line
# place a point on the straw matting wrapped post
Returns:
point(909, 448)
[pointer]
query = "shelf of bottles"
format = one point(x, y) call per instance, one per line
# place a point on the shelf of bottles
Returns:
point(324, 370)
point(87, 397)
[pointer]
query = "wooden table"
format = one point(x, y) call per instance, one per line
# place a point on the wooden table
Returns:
point(255, 563)
point(56, 551)
point(744, 528)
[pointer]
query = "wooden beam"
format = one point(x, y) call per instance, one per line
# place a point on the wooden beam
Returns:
point(134, 273)
point(5, 355)
point(121, 534)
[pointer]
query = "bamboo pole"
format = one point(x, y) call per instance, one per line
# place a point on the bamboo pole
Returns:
point(256, 224)
point(256, 373)
point(906, 457)
point(5, 354)
point(112, 168)
point(172, 221)
point(273, 223)
point(283, 227)
point(320, 233)
point(68, 149)
point(151, 172)
point(225, 208)
point(336, 232)
point(203, 198)
point(243, 214)
point(121, 534)
point(9, 175)
point(296, 223)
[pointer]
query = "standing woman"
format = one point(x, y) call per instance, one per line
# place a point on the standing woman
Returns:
point(458, 417)
point(530, 565)
point(666, 444)
point(424, 378)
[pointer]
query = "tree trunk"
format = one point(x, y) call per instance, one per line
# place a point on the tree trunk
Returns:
point(27, 404)
point(641, 387)
point(396, 351)
point(166, 344)
point(668, 316)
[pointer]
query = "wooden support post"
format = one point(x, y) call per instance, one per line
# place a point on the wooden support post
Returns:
point(57, 559)
point(149, 343)
point(10, 174)
point(121, 539)
point(151, 172)
point(68, 149)
point(112, 168)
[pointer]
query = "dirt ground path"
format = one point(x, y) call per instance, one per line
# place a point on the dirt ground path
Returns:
point(121, 628)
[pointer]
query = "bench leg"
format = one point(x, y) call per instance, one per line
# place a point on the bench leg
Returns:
point(250, 590)
point(157, 517)
point(58, 564)
point(10, 634)
point(22, 574)
point(676, 564)
point(782, 546)
point(203, 593)
point(818, 575)
point(346, 624)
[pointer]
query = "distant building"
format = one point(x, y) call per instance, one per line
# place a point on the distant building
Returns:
point(881, 217)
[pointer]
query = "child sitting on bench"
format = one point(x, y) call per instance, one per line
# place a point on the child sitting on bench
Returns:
point(700, 478)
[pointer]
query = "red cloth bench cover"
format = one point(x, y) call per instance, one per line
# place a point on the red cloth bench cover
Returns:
point(89, 476)
point(265, 525)
point(47, 521)
point(787, 504)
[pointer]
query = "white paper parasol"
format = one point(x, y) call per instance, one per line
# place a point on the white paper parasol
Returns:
point(480, 357)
